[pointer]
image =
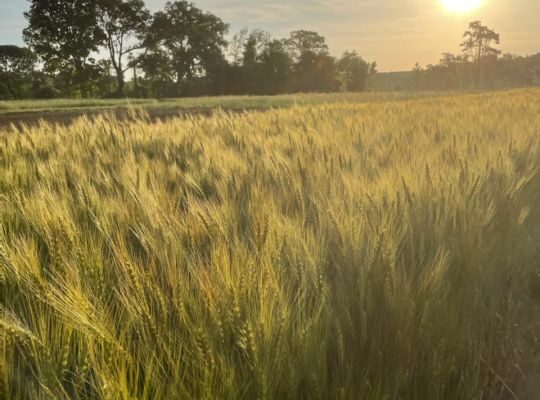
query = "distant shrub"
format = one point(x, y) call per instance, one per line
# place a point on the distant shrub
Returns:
point(47, 92)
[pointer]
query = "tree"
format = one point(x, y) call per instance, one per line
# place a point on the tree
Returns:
point(276, 66)
point(183, 43)
point(477, 45)
point(416, 77)
point(314, 68)
point(64, 34)
point(450, 65)
point(121, 23)
point(303, 41)
point(254, 45)
point(252, 66)
point(16, 67)
point(236, 45)
point(315, 73)
point(352, 72)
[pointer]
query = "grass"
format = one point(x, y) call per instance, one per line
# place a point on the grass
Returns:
point(200, 103)
point(336, 251)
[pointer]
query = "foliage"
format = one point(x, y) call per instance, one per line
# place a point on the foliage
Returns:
point(302, 41)
point(182, 51)
point(315, 72)
point(479, 67)
point(478, 39)
point(122, 21)
point(367, 251)
point(459, 73)
point(276, 68)
point(64, 34)
point(477, 45)
point(179, 51)
point(353, 72)
point(16, 68)
point(260, 64)
point(184, 43)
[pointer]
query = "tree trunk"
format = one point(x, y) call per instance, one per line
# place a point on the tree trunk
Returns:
point(479, 65)
point(120, 83)
point(179, 84)
point(136, 82)
point(12, 91)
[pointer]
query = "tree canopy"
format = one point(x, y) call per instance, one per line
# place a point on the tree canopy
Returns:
point(184, 42)
point(478, 40)
point(353, 71)
point(479, 66)
point(477, 46)
point(180, 50)
point(65, 34)
point(16, 67)
point(89, 48)
point(121, 22)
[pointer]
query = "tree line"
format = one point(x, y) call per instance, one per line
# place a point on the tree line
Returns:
point(481, 65)
point(116, 48)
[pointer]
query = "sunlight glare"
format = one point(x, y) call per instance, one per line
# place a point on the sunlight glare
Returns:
point(461, 6)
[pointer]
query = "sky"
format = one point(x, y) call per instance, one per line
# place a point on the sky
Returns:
point(394, 33)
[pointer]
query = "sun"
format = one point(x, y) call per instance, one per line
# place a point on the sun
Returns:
point(461, 6)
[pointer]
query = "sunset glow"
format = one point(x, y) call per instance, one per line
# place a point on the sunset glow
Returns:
point(461, 6)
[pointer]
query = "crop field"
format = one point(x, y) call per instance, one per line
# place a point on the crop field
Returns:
point(64, 111)
point(190, 103)
point(377, 250)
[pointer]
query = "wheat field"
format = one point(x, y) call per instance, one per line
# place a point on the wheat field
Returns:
point(377, 251)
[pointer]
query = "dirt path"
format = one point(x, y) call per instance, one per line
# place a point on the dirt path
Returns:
point(65, 117)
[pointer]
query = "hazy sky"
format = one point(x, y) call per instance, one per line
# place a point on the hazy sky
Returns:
point(395, 33)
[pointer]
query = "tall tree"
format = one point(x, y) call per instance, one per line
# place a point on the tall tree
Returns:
point(16, 67)
point(235, 48)
point(478, 45)
point(259, 64)
point(123, 23)
point(64, 34)
point(416, 77)
point(315, 73)
point(184, 42)
point(254, 45)
point(314, 68)
point(252, 71)
point(353, 71)
point(276, 66)
point(303, 41)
